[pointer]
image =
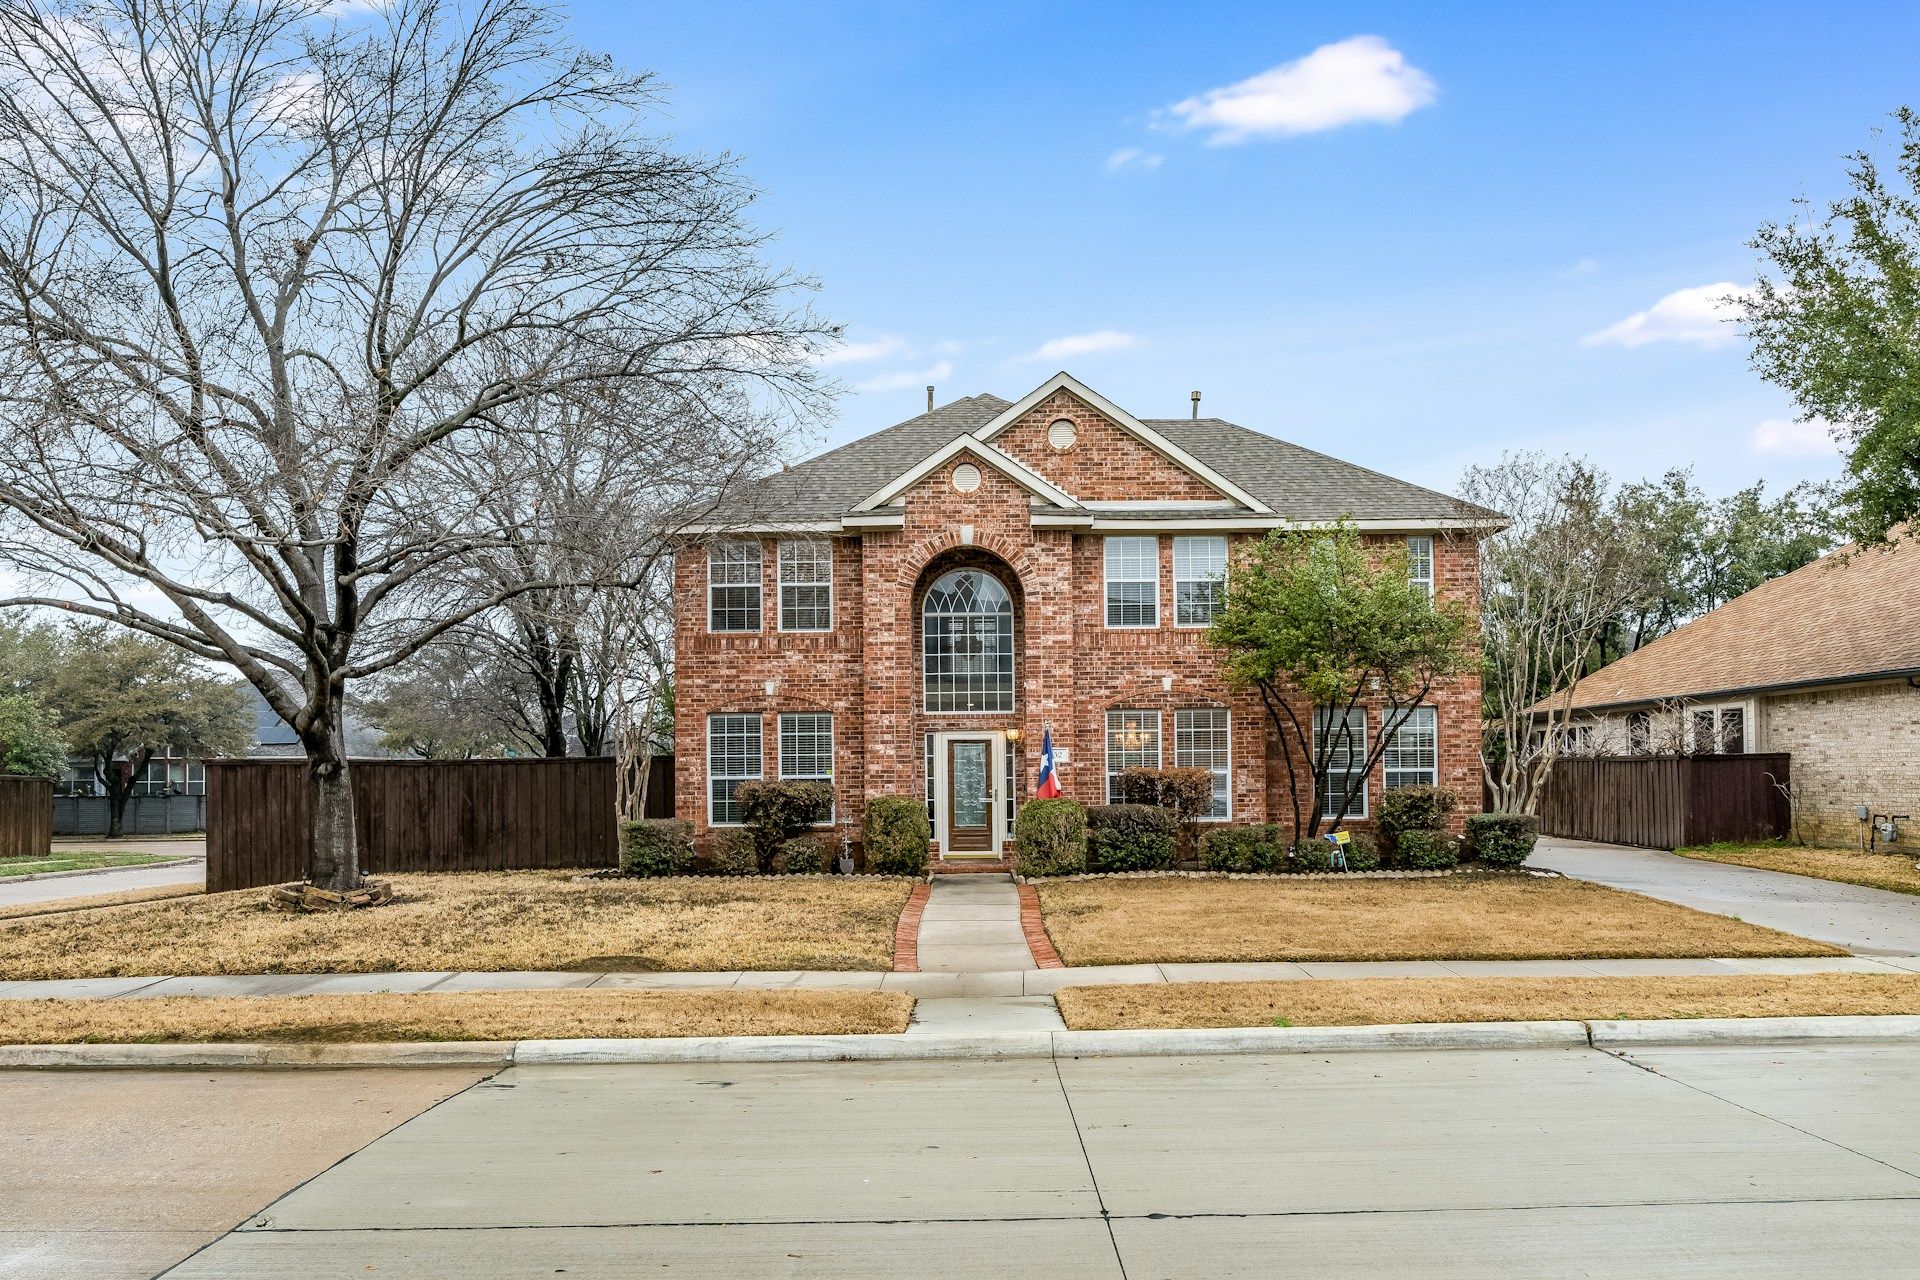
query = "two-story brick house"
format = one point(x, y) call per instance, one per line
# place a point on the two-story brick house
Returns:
point(907, 614)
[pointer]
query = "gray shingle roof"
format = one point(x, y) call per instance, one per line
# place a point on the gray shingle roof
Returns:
point(1297, 483)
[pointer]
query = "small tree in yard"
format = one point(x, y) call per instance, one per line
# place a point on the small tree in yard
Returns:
point(1320, 624)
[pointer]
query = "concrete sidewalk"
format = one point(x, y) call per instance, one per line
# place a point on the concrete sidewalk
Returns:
point(972, 925)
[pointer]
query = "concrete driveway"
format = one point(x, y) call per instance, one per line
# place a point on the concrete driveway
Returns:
point(1867, 921)
point(1757, 1162)
point(54, 888)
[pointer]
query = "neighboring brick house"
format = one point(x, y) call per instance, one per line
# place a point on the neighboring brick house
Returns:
point(908, 614)
point(1822, 663)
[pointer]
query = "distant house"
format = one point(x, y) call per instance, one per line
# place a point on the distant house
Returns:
point(272, 736)
point(1823, 663)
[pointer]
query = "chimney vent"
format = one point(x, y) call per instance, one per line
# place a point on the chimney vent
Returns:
point(929, 397)
point(1195, 397)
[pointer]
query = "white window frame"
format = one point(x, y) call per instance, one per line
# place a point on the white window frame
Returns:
point(787, 775)
point(1125, 545)
point(1190, 544)
point(717, 560)
point(759, 768)
point(1120, 715)
point(822, 546)
point(1719, 711)
point(1357, 739)
point(1222, 775)
point(1423, 545)
point(1392, 776)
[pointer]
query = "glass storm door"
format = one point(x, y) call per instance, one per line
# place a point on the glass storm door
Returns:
point(969, 796)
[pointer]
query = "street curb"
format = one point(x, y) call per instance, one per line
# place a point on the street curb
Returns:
point(98, 871)
point(911, 1047)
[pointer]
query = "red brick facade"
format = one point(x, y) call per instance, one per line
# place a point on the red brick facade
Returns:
point(1070, 668)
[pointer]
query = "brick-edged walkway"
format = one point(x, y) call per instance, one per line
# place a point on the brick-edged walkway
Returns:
point(906, 933)
point(1036, 930)
point(972, 925)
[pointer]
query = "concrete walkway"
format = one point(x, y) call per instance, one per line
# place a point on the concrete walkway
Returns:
point(119, 880)
point(972, 925)
point(1864, 921)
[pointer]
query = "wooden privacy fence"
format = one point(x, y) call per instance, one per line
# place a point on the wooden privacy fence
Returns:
point(26, 817)
point(1664, 802)
point(414, 815)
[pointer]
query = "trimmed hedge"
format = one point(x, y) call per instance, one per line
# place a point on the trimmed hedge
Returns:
point(777, 811)
point(1249, 847)
point(1186, 793)
point(1363, 854)
point(896, 836)
point(1050, 838)
point(1427, 851)
point(1501, 839)
point(802, 856)
point(1131, 837)
point(1412, 809)
point(734, 853)
point(1310, 855)
point(656, 847)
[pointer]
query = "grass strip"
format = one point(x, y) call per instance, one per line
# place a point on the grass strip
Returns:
point(1895, 872)
point(80, 860)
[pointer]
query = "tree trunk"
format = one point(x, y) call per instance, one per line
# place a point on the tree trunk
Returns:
point(333, 857)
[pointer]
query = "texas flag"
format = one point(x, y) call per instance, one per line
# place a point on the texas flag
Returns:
point(1049, 786)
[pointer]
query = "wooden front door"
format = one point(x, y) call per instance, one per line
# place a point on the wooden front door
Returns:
point(969, 796)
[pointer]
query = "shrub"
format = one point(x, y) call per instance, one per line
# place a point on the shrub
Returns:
point(656, 847)
point(1187, 793)
point(1130, 837)
point(1050, 838)
point(734, 854)
point(1501, 839)
point(1363, 854)
point(1249, 847)
point(802, 856)
point(1427, 851)
point(896, 836)
point(1412, 809)
point(1311, 855)
point(777, 811)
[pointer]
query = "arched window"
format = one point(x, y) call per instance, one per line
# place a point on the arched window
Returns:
point(967, 643)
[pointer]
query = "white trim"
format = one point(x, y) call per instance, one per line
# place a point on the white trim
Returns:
point(1406, 717)
point(996, 803)
point(1433, 570)
point(1087, 519)
point(1226, 560)
point(1064, 381)
point(1107, 581)
point(1107, 774)
point(833, 760)
point(707, 802)
point(1228, 713)
point(1123, 504)
point(780, 587)
point(745, 530)
point(759, 585)
point(1000, 461)
point(1366, 780)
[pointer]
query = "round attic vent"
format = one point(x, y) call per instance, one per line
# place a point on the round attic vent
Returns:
point(1062, 433)
point(966, 477)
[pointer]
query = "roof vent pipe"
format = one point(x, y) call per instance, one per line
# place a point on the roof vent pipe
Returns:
point(929, 397)
point(1195, 397)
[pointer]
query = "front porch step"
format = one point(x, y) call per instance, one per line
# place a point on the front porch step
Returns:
point(970, 867)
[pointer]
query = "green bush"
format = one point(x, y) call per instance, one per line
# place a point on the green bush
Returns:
point(1311, 855)
point(802, 856)
point(1248, 847)
point(1501, 839)
point(1363, 854)
point(734, 854)
point(1412, 809)
point(656, 847)
point(1427, 851)
point(1186, 793)
point(777, 811)
point(896, 836)
point(1131, 837)
point(1050, 838)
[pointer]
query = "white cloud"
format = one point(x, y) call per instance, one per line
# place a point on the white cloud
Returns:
point(1083, 344)
point(1701, 315)
point(1787, 438)
point(1359, 80)
point(859, 352)
point(1133, 159)
point(934, 375)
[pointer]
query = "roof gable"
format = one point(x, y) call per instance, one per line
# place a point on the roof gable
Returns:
point(1021, 474)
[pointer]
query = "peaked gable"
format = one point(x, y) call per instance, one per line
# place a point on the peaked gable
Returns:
point(1105, 462)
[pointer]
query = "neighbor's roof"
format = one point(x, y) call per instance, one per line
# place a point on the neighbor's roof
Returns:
point(1853, 615)
point(1300, 486)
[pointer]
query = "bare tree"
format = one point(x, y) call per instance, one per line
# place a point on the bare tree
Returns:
point(1551, 581)
point(267, 281)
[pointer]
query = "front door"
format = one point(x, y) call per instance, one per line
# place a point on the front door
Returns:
point(969, 796)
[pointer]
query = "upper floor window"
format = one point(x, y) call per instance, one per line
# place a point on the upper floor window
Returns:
point(1199, 576)
point(1420, 564)
point(733, 757)
point(1343, 740)
point(806, 586)
point(1412, 755)
point(966, 629)
point(1133, 582)
point(733, 585)
point(1133, 742)
point(1201, 740)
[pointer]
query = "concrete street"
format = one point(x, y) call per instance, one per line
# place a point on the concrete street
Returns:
point(1761, 1161)
point(1864, 921)
point(15, 893)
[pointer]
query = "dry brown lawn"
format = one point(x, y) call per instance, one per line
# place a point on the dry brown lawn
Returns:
point(481, 920)
point(1370, 1001)
point(60, 906)
point(467, 1015)
point(1894, 871)
point(1495, 917)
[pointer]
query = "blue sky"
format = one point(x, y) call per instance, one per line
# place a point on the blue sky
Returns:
point(1425, 241)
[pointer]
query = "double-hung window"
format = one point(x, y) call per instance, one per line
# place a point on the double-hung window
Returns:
point(1202, 740)
point(806, 749)
point(806, 586)
point(733, 585)
point(1420, 564)
point(1412, 755)
point(1133, 742)
point(733, 757)
point(1133, 582)
point(1342, 741)
point(1199, 575)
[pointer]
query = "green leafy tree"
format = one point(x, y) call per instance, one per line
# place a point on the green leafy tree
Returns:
point(121, 699)
point(1319, 622)
point(1836, 323)
point(29, 743)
